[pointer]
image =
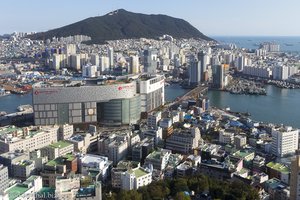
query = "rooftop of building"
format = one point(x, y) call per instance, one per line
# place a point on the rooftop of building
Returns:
point(100, 81)
point(61, 160)
point(16, 191)
point(86, 191)
point(60, 144)
point(90, 158)
point(184, 166)
point(138, 172)
point(275, 183)
point(13, 155)
point(127, 164)
point(24, 163)
point(278, 167)
point(243, 153)
point(76, 138)
point(13, 134)
point(156, 155)
point(210, 147)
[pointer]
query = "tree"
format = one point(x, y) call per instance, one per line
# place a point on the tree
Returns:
point(182, 196)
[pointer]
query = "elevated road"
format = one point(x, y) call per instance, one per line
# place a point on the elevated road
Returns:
point(194, 93)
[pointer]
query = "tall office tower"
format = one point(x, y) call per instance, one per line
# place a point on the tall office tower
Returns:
point(75, 62)
point(110, 52)
point(104, 64)
point(152, 91)
point(284, 141)
point(89, 71)
point(205, 61)
point(59, 61)
point(280, 72)
point(218, 76)
point(150, 63)
point(70, 49)
point(176, 61)
point(194, 72)
point(240, 63)
point(215, 61)
point(208, 51)
point(134, 64)
point(95, 59)
point(84, 59)
point(295, 177)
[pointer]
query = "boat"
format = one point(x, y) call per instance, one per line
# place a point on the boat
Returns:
point(3, 92)
point(288, 44)
point(22, 108)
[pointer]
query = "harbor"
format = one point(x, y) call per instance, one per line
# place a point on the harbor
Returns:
point(243, 86)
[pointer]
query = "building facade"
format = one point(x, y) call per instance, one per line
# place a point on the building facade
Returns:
point(116, 103)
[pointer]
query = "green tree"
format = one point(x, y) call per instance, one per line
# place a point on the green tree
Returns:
point(182, 196)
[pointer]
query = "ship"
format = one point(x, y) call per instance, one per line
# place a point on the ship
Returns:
point(3, 92)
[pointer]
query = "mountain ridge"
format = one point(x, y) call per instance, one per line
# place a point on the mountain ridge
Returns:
point(122, 24)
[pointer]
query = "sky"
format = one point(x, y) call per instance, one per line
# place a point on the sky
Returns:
point(211, 17)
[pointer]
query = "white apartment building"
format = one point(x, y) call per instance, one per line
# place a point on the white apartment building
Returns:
point(89, 71)
point(259, 71)
point(152, 91)
point(153, 119)
point(284, 141)
point(26, 190)
point(158, 159)
point(95, 162)
point(29, 138)
point(135, 178)
point(117, 150)
point(240, 141)
point(226, 137)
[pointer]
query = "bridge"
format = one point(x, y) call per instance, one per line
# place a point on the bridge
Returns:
point(194, 93)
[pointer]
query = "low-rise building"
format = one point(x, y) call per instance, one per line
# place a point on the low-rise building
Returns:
point(153, 119)
point(116, 172)
point(67, 187)
point(157, 134)
point(100, 166)
point(26, 190)
point(158, 159)
point(240, 141)
point(279, 171)
point(28, 138)
point(3, 178)
point(226, 137)
point(10, 158)
point(217, 170)
point(184, 140)
point(57, 149)
point(135, 178)
point(23, 169)
point(59, 167)
point(81, 142)
point(277, 189)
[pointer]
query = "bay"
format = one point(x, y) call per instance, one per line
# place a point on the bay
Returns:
point(280, 106)
point(10, 102)
point(287, 43)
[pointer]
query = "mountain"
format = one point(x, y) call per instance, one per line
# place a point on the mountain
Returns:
point(121, 24)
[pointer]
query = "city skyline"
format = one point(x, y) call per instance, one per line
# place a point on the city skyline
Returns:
point(213, 18)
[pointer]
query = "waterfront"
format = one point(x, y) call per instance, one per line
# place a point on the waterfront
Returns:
point(287, 44)
point(10, 103)
point(278, 106)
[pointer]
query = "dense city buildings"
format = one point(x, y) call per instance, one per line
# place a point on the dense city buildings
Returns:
point(101, 118)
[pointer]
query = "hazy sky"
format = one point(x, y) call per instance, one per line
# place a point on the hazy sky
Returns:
point(212, 17)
